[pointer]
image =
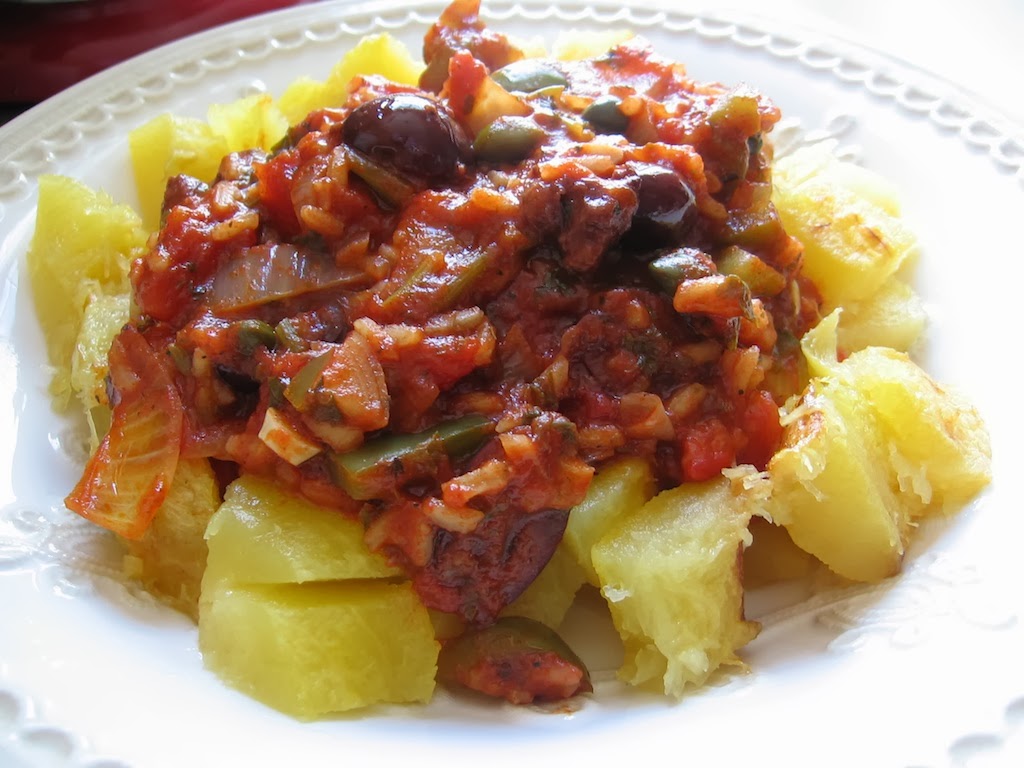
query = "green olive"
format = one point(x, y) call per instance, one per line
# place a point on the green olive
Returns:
point(760, 277)
point(253, 334)
point(391, 187)
point(367, 471)
point(508, 139)
point(517, 651)
point(181, 359)
point(527, 76)
point(275, 390)
point(605, 114)
point(288, 336)
point(301, 390)
point(675, 265)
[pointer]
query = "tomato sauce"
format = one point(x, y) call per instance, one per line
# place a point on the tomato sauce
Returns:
point(451, 304)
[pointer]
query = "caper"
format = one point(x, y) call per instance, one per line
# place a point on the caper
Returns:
point(411, 134)
point(508, 139)
point(527, 76)
point(605, 114)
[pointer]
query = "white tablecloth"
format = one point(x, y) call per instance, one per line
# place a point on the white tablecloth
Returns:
point(978, 45)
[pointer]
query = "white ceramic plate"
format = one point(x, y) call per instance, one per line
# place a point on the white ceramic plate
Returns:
point(925, 670)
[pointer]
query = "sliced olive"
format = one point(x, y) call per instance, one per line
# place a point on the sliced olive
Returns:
point(302, 388)
point(517, 659)
point(363, 472)
point(527, 76)
point(414, 135)
point(288, 336)
point(508, 139)
point(253, 334)
point(672, 267)
point(182, 360)
point(392, 188)
point(755, 144)
point(605, 114)
point(275, 390)
point(757, 228)
point(761, 278)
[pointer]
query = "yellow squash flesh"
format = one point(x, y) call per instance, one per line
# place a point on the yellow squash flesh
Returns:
point(670, 574)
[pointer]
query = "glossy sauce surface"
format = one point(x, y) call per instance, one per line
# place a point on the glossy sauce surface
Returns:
point(442, 308)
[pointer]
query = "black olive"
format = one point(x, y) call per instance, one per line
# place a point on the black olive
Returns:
point(665, 209)
point(411, 134)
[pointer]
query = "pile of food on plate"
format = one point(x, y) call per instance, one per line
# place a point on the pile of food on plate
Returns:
point(389, 369)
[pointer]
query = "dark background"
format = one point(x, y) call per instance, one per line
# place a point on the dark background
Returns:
point(48, 45)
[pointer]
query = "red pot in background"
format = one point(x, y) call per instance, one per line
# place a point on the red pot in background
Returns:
point(45, 46)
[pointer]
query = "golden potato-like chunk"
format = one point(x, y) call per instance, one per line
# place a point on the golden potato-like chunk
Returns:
point(831, 486)
point(873, 444)
point(550, 596)
point(170, 557)
point(855, 243)
point(167, 146)
point(894, 316)
point(374, 55)
point(851, 246)
point(264, 535)
point(577, 44)
point(772, 557)
point(617, 490)
point(297, 612)
point(313, 649)
point(670, 574)
point(81, 249)
point(938, 444)
point(252, 122)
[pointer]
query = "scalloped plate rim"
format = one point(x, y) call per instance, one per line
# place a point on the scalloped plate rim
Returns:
point(136, 71)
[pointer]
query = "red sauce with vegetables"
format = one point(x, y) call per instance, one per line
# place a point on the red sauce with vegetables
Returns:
point(441, 308)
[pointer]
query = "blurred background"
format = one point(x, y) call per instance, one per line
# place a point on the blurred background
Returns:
point(47, 45)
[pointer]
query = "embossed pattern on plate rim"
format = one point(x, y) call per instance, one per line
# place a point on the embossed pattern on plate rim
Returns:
point(30, 144)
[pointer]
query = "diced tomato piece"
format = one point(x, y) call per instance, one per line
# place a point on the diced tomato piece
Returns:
point(762, 429)
point(275, 180)
point(708, 448)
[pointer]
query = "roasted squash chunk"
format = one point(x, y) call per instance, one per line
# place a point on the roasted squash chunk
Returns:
point(873, 443)
point(296, 611)
point(670, 573)
point(312, 649)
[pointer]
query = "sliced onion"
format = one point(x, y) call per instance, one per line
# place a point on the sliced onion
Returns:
point(126, 480)
point(268, 273)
